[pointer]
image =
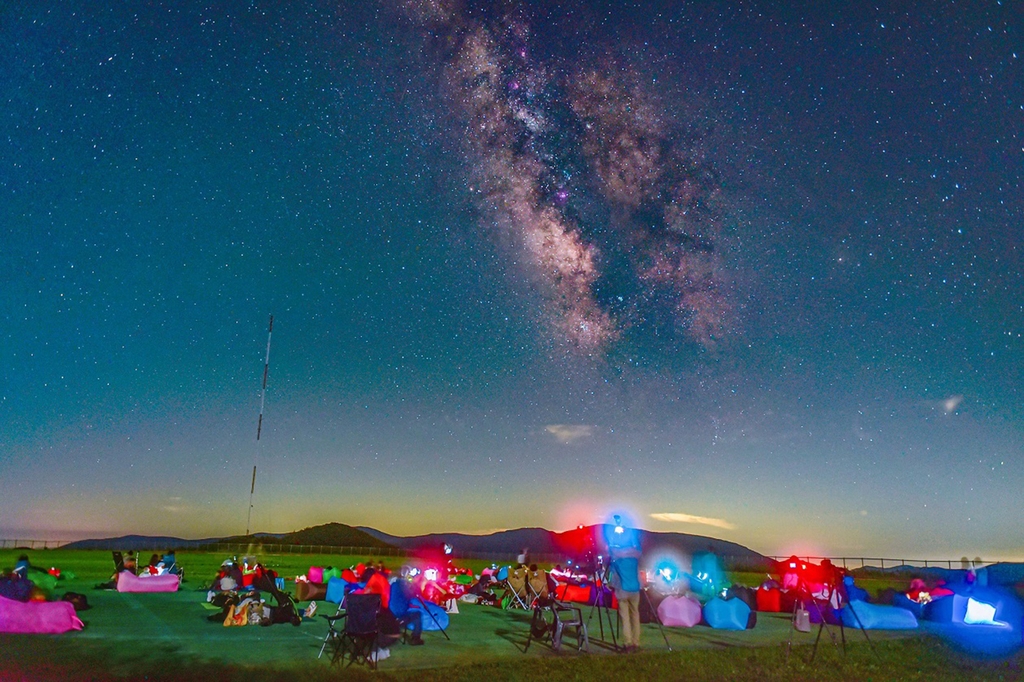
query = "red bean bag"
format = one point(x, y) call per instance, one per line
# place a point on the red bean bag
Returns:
point(769, 599)
point(573, 593)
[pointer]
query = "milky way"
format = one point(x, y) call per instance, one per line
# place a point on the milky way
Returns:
point(583, 175)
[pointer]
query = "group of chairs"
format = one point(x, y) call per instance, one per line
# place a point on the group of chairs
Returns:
point(354, 634)
point(528, 588)
point(522, 586)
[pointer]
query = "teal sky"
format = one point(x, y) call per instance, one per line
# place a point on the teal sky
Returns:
point(753, 271)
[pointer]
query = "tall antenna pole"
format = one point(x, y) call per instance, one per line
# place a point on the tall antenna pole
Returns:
point(259, 424)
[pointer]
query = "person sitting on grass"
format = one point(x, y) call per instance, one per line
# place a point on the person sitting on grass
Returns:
point(22, 567)
point(407, 614)
point(375, 583)
point(153, 567)
point(170, 561)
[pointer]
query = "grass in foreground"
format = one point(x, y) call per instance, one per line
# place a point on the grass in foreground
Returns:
point(909, 659)
point(166, 637)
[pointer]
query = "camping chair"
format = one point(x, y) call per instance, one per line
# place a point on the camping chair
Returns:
point(358, 638)
point(515, 590)
point(537, 586)
point(562, 616)
point(119, 564)
point(171, 565)
point(332, 632)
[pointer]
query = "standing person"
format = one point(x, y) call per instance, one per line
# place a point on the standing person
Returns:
point(624, 576)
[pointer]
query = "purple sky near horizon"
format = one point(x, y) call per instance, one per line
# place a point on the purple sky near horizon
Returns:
point(738, 270)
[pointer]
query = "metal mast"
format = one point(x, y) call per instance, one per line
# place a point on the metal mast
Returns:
point(259, 424)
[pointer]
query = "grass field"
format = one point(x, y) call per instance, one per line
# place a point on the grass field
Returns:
point(167, 636)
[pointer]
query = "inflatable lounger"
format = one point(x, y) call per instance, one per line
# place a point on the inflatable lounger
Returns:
point(877, 617)
point(679, 612)
point(727, 614)
point(168, 582)
point(37, 617)
point(769, 599)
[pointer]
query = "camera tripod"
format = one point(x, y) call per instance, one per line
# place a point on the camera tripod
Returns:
point(822, 603)
point(425, 608)
point(600, 598)
point(600, 580)
point(654, 614)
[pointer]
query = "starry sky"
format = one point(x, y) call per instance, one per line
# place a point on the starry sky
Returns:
point(731, 269)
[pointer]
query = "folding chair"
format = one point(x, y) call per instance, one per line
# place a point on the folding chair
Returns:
point(536, 586)
point(516, 590)
point(171, 565)
point(119, 564)
point(332, 632)
point(358, 639)
point(562, 616)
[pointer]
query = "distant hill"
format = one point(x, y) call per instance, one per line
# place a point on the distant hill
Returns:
point(538, 540)
point(126, 542)
point(328, 534)
point(577, 541)
point(508, 543)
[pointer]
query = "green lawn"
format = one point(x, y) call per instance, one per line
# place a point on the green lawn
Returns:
point(166, 636)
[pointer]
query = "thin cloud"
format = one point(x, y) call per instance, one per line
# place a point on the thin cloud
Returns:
point(568, 433)
point(676, 517)
point(951, 403)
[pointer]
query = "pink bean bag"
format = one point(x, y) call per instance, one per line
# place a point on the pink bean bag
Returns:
point(680, 612)
point(126, 582)
point(37, 617)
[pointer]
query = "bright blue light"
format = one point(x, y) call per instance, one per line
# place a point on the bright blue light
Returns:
point(980, 613)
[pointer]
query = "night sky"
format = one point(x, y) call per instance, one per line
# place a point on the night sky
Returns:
point(733, 269)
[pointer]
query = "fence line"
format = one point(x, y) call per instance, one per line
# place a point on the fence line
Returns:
point(853, 563)
point(850, 563)
point(32, 544)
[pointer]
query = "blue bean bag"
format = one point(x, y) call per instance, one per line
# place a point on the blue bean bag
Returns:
point(336, 590)
point(822, 611)
point(877, 617)
point(727, 614)
point(953, 609)
point(980, 619)
point(439, 621)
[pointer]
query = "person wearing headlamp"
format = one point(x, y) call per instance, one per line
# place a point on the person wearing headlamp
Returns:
point(624, 578)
